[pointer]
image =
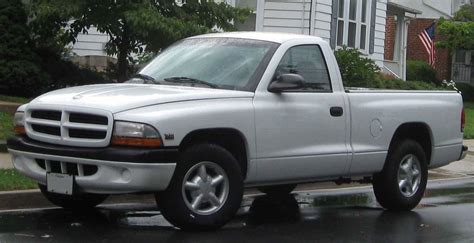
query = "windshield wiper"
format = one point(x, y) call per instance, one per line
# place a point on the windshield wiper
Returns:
point(146, 79)
point(190, 80)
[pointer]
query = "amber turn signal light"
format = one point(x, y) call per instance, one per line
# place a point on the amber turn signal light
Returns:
point(19, 130)
point(137, 142)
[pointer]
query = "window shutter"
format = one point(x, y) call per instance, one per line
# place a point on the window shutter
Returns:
point(372, 26)
point(335, 7)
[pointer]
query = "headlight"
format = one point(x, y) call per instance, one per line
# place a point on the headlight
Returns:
point(19, 123)
point(135, 134)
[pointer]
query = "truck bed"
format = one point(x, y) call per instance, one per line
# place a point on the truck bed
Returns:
point(376, 114)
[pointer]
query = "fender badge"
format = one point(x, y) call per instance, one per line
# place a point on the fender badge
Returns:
point(77, 97)
point(169, 136)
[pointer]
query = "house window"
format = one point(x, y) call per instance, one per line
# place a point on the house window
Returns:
point(250, 22)
point(353, 23)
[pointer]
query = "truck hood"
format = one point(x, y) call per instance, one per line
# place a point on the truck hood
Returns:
point(121, 97)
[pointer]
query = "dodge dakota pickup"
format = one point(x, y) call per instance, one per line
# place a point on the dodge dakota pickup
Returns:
point(216, 113)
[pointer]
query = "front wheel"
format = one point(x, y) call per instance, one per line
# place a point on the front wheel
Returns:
point(206, 189)
point(80, 202)
point(402, 182)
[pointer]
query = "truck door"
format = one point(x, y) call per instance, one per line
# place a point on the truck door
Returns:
point(301, 134)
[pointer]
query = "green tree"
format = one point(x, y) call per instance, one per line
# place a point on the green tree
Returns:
point(19, 63)
point(133, 25)
point(458, 32)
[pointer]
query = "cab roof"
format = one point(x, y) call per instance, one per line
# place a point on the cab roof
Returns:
point(264, 36)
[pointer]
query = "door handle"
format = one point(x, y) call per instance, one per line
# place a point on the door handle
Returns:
point(336, 111)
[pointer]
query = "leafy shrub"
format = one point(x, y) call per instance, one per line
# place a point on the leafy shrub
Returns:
point(55, 73)
point(63, 73)
point(467, 91)
point(359, 71)
point(384, 81)
point(422, 71)
point(112, 71)
point(356, 71)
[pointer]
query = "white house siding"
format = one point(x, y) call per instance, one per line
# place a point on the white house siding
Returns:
point(290, 16)
point(433, 9)
point(379, 36)
point(91, 43)
point(305, 17)
point(294, 16)
point(322, 26)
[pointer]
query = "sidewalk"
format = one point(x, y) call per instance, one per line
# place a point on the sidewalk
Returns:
point(462, 167)
point(469, 143)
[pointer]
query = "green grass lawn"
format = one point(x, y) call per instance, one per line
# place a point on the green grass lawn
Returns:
point(6, 125)
point(469, 127)
point(13, 99)
point(11, 180)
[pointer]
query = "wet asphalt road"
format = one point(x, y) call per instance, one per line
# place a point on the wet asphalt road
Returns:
point(446, 214)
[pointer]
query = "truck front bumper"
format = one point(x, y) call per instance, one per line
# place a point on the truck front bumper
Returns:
point(110, 170)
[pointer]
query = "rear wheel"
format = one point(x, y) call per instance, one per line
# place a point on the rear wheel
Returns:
point(79, 202)
point(278, 190)
point(402, 182)
point(206, 189)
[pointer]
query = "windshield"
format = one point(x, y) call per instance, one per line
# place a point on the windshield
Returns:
point(227, 63)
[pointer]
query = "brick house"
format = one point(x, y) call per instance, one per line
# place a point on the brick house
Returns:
point(397, 34)
point(457, 66)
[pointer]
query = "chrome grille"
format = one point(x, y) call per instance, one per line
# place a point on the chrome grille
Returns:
point(70, 126)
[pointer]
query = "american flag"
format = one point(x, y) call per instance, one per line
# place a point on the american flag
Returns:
point(427, 38)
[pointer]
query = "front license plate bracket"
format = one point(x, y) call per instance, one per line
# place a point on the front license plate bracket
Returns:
point(60, 183)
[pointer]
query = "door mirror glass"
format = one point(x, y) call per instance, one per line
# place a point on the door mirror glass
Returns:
point(287, 81)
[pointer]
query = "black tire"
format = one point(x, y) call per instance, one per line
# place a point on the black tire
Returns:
point(387, 191)
point(277, 190)
point(172, 202)
point(79, 202)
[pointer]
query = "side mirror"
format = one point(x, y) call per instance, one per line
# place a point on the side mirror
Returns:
point(287, 81)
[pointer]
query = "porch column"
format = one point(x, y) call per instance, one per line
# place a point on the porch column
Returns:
point(403, 49)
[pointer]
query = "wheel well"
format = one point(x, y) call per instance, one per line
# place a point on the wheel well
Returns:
point(417, 131)
point(230, 139)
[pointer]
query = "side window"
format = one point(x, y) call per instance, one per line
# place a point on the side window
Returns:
point(307, 61)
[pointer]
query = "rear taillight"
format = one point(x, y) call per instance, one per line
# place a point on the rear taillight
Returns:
point(463, 119)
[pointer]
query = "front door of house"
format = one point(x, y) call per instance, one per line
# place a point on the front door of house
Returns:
point(463, 66)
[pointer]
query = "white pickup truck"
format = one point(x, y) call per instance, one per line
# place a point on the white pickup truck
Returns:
point(215, 113)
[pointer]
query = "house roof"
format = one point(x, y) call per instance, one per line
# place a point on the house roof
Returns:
point(395, 7)
point(264, 36)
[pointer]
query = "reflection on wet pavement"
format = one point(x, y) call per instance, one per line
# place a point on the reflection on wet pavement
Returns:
point(446, 214)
